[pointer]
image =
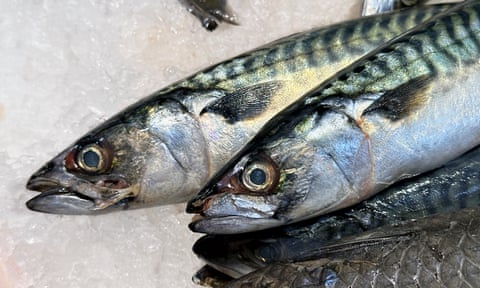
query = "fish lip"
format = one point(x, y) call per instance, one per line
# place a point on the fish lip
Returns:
point(225, 225)
point(60, 200)
point(42, 184)
point(198, 223)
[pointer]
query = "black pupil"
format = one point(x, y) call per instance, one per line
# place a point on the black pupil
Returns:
point(258, 176)
point(91, 159)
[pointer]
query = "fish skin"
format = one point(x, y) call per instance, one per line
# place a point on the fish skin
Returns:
point(357, 133)
point(452, 187)
point(437, 251)
point(164, 148)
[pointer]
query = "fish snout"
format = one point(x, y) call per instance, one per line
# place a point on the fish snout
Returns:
point(200, 202)
point(41, 180)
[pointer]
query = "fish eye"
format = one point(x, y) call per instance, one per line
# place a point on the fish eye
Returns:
point(91, 158)
point(260, 176)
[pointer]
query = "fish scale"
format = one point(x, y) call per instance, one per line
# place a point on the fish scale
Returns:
point(164, 148)
point(451, 42)
point(396, 113)
point(452, 187)
point(437, 251)
point(308, 50)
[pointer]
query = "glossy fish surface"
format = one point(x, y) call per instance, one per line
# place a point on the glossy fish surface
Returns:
point(449, 188)
point(405, 109)
point(437, 251)
point(164, 148)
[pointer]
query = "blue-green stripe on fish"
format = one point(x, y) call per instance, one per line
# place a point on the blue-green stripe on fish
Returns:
point(164, 148)
point(408, 107)
point(451, 187)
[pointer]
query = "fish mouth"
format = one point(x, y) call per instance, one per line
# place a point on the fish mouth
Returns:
point(55, 198)
point(229, 213)
point(59, 200)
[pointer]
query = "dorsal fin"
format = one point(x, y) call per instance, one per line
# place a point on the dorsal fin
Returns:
point(244, 103)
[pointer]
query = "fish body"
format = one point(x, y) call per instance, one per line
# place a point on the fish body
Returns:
point(437, 251)
point(452, 187)
point(164, 148)
point(405, 109)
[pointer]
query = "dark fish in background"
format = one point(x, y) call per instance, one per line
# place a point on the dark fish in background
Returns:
point(438, 251)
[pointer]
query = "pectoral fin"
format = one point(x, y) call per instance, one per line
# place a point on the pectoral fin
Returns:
point(403, 100)
point(244, 103)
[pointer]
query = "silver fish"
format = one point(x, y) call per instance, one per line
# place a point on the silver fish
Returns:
point(449, 188)
point(438, 251)
point(164, 148)
point(405, 109)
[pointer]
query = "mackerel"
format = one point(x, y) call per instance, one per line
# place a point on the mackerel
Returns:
point(406, 108)
point(164, 148)
point(452, 187)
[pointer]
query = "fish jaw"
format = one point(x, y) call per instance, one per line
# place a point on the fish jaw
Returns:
point(145, 152)
point(60, 201)
point(63, 193)
point(229, 213)
point(232, 224)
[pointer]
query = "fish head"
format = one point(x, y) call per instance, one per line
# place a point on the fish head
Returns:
point(138, 158)
point(286, 178)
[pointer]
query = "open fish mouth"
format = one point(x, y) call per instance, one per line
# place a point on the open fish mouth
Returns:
point(230, 220)
point(229, 213)
point(57, 199)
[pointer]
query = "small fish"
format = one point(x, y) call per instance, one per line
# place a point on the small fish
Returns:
point(449, 188)
point(437, 251)
point(163, 149)
point(407, 108)
point(209, 12)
